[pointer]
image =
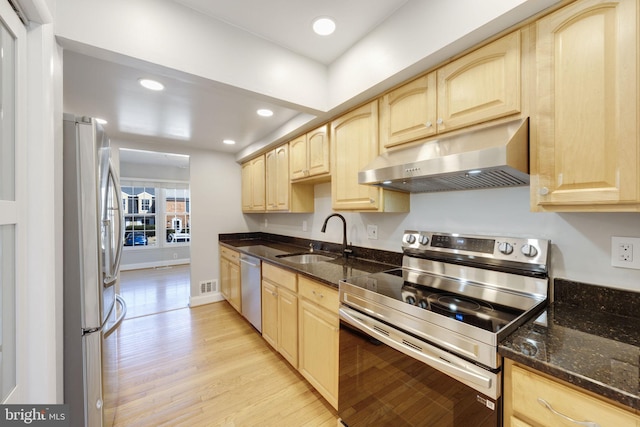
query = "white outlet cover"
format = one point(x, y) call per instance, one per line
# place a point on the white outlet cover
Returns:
point(634, 254)
point(372, 232)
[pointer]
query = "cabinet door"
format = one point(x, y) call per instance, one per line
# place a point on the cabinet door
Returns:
point(288, 326)
point(587, 139)
point(247, 187)
point(282, 178)
point(354, 138)
point(277, 179)
point(480, 86)
point(318, 151)
point(318, 358)
point(271, 175)
point(530, 391)
point(298, 164)
point(258, 184)
point(235, 292)
point(225, 279)
point(270, 313)
point(409, 112)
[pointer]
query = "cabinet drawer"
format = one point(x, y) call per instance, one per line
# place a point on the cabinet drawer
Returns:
point(528, 390)
point(230, 254)
point(318, 293)
point(279, 276)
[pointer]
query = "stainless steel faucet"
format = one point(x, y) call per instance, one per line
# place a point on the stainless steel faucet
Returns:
point(345, 249)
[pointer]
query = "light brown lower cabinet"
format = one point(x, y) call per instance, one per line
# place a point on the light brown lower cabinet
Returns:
point(300, 321)
point(280, 311)
point(532, 399)
point(230, 277)
point(319, 328)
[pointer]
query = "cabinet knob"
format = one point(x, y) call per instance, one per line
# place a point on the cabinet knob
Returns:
point(543, 191)
point(371, 201)
point(440, 121)
point(428, 124)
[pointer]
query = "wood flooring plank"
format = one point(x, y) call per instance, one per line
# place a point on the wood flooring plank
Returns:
point(206, 366)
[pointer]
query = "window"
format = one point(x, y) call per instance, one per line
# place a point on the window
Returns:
point(139, 215)
point(177, 215)
point(156, 214)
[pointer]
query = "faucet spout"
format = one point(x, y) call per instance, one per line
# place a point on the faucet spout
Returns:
point(345, 250)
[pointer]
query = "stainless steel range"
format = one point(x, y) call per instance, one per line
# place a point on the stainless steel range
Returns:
point(418, 344)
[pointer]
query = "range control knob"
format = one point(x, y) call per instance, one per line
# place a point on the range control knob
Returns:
point(410, 239)
point(423, 304)
point(505, 248)
point(411, 299)
point(529, 251)
point(424, 240)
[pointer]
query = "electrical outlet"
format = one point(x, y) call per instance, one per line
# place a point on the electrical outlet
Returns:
point(372, 232)
point(625, 252)
point(304, 225)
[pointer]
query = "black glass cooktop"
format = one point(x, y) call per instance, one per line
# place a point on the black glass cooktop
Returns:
point(455, 299)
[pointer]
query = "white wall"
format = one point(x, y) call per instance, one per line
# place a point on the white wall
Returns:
point(419, 36)
point(216, 207)
point(173, 36)
point(581, 242)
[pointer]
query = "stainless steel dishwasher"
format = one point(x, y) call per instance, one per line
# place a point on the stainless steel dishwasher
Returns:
point(251, 295)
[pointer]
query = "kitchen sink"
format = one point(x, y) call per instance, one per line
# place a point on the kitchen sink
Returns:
point(306, 258)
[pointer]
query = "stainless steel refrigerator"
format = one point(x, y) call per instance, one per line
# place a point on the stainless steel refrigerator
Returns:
point(93, 239)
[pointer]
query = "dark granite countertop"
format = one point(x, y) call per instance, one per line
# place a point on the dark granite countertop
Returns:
point(589, 337)
point(267, 247)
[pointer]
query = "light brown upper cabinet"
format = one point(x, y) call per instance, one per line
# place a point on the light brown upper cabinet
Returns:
point(281, 194)
point(409, 112)
point(481, 86)
point(585, 147)
point(277, 170)
point(354, 143)
point(310, 156)
point(253, 185)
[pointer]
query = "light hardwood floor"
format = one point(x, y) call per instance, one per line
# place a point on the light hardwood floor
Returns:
point(153, 290)
point(206, 366)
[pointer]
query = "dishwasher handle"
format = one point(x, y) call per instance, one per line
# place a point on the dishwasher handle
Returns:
point(249, 263)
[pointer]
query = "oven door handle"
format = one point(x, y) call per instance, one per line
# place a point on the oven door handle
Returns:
point(423, 352)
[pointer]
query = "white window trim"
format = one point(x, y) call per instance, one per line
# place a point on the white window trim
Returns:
point(160, 185)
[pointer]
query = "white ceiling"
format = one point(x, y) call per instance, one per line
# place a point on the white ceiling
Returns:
point(198, 113)
point(288, 23)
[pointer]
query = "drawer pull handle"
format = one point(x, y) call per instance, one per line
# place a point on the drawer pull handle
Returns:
point(561, 415)
point(317, 294)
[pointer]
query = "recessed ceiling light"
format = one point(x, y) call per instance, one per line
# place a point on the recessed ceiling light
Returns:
point(324, 26)
point(264, 112)
point(151, 84)
point(228, 141)
point(101, 121)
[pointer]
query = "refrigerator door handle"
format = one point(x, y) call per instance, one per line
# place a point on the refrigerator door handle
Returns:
point(123, 313)
point(114, 266)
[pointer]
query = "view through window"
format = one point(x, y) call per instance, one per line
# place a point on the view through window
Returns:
point(156, 215)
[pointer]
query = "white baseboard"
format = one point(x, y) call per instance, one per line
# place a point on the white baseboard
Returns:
point(205, 299)
point(142, 265)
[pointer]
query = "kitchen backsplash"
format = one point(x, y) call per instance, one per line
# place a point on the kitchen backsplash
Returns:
point(597, 298)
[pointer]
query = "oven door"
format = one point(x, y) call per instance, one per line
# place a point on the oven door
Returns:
point(388, 377)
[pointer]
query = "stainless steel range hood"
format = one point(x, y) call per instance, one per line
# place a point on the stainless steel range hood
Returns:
point(496, 156)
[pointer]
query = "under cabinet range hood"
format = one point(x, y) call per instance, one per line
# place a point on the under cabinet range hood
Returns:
point(495, 156)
